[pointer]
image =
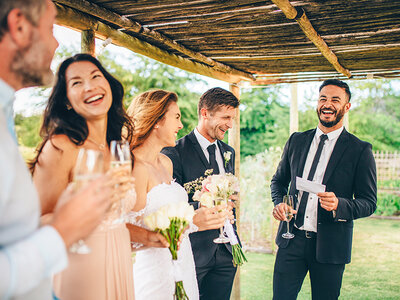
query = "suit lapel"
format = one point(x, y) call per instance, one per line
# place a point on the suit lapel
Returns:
point(198, 149)
point(228, 165)
point(340, 147)
point(305, 147)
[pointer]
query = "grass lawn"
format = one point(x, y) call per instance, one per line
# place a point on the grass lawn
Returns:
point(374, 272)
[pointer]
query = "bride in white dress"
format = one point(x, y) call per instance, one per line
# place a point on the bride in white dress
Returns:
point(156, 118)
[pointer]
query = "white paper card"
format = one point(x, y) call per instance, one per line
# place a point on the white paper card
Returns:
point(309, 186)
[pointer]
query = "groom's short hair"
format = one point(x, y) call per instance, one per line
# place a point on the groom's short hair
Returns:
point(216, 97)
point(31, 9)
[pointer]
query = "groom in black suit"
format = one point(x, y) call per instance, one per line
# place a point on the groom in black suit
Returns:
point(193, 154)
point(323, 225)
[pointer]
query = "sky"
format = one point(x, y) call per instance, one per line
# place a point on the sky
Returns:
point(28, 104)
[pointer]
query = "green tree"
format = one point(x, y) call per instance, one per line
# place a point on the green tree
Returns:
point(264, 119)
point(27, 129)
point(141, 74)
point(375, 114)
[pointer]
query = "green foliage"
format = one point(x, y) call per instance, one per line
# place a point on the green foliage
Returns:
point(144, 74)
point(388, 204)
point(256, 204)
point(264, 120)
point(390, 184)
point(27, 129)
point(376, 115)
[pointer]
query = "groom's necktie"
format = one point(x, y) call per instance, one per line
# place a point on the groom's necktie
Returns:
point(304, 198)
point(213, 161)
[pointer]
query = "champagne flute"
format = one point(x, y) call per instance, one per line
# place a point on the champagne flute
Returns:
point(89, 166)
point(288, 200)
point(120, 158)
point(221, 239)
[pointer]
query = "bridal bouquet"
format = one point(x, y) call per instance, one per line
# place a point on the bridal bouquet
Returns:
point(171, 221)
point(208, 191)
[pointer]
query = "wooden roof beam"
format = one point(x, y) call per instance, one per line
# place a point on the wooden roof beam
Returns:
point(127, 24)
point(74, 19)
point(301, 18)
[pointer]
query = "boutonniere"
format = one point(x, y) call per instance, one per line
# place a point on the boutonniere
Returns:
point(227, 157)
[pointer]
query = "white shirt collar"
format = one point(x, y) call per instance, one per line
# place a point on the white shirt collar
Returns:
point(331, 135)
point(204, 143)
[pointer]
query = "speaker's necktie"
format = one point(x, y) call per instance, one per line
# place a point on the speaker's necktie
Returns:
point(213, 161)
point(304, 198)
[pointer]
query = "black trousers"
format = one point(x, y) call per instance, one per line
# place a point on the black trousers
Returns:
point(291, 267)
point(215, 279)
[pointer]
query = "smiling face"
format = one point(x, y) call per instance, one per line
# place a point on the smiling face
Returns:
point(332, 106)
point(88, 91)
point(217, 123)
point(32, 63)
point(169, 126)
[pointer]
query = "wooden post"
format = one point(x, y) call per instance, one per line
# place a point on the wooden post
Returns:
point(294, 109)
point(88, 42)
point(234, 141)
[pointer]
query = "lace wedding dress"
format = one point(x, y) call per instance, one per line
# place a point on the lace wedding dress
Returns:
point(154, 271)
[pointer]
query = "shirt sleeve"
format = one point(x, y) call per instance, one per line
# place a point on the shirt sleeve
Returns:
point(27, 262)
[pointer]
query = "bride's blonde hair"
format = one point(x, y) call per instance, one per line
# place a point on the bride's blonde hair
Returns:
point(146, 110)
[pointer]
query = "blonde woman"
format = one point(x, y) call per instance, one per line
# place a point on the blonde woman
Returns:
point(157, 121)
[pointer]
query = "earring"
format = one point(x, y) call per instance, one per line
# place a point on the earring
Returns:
point(69, 107)
point(156, 126)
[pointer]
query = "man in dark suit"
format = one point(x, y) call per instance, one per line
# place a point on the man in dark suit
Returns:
point(323, 226)
point(200, 150)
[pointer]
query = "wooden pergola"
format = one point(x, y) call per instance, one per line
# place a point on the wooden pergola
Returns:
point(249, 41)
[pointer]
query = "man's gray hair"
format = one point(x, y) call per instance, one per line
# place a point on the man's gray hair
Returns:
point(32, 10)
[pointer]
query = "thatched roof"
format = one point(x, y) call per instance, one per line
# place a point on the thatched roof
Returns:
point(245, 39)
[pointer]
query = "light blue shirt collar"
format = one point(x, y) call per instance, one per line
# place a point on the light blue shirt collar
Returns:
point(7, 96)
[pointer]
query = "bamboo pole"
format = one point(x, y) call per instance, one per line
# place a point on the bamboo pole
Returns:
point(127, 24)
point(71, 18)
point(234, 142)
point(301, 18)
point(88, 44)
point(294, 109)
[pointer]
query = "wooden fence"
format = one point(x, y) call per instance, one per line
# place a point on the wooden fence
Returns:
point(387, 165)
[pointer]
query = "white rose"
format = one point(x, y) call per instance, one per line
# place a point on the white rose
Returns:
point(180, 209)
point(163, 221)
point(227, 155)
point(169, 210)
point(189, 213)
point(150, 221)
point(207, 200)
point(197, 195)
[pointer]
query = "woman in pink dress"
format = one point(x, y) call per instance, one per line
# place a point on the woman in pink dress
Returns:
point(85, 110)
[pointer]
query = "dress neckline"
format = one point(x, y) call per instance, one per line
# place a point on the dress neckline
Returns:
point(171, 183)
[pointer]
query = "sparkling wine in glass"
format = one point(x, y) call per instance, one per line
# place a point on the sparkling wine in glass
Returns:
point(89, 166)
point(221, 239)
point(120, 158)
point(288, 200)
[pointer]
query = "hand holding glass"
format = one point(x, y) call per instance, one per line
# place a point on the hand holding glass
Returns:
point(288, 201)
point(221, 239)
point(89, 166)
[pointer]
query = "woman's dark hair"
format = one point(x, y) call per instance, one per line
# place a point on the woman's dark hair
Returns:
point(58, 119)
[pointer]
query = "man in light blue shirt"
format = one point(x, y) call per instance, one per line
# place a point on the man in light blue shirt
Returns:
point(30, 254)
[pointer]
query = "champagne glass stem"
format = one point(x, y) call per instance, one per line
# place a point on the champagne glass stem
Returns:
point(287, 223)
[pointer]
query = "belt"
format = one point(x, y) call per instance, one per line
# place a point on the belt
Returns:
point(304, 233)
